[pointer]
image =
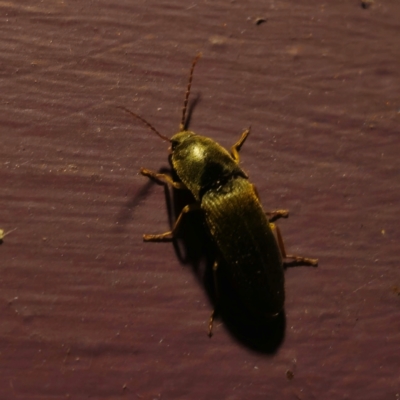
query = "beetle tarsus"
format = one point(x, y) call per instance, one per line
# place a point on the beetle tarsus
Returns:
point(164, 237)
point(162, 179)
point(290, 260)
point(275, 215)
point(297, 260)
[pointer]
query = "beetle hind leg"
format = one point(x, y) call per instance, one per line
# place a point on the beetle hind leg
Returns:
point(291, 260)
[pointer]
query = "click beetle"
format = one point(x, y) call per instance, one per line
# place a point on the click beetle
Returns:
point(247, 240)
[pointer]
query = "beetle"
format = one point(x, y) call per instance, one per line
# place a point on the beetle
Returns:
point(247, 240)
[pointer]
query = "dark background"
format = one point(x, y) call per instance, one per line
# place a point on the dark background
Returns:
point(90, 311)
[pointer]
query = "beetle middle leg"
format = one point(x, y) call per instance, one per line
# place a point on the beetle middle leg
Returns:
point(272, 215)
point(236, 147)
point(292, 260)
point(168, 236)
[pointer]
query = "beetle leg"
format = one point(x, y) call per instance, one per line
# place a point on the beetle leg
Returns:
point(292, 260)
point(236, 147)
point(210, 324)
point(162, 178)
point(274, 215)
point(168, 236)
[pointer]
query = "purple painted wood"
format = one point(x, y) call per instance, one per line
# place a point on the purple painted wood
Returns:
point(88, 309)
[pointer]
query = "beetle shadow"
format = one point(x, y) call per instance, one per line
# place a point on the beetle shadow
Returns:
point(192, 104)
point(126, 212)
point(257, 332)
point(195, 248)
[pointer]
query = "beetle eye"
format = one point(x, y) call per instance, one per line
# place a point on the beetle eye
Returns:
point(174, 143)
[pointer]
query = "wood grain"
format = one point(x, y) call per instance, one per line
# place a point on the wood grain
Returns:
point(90, 311)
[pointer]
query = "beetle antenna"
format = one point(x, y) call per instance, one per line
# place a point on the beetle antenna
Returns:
point(145, 122)
point(7, 233)
point(185, 103)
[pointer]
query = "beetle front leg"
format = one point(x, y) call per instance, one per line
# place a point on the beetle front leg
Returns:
point(236, 147)
point(274, 215)
point(162, 179)
point(169, 236)
point(294, 260)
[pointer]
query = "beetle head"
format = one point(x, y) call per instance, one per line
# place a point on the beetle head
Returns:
point(178, 139)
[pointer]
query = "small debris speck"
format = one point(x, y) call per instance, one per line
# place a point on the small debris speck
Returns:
point(259, 21)
point(289, 374)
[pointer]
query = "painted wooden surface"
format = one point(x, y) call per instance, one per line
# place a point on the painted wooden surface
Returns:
point(90, 311)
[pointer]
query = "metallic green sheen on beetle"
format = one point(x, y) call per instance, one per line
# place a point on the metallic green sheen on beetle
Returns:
point(234, 217)
point(248, 241)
